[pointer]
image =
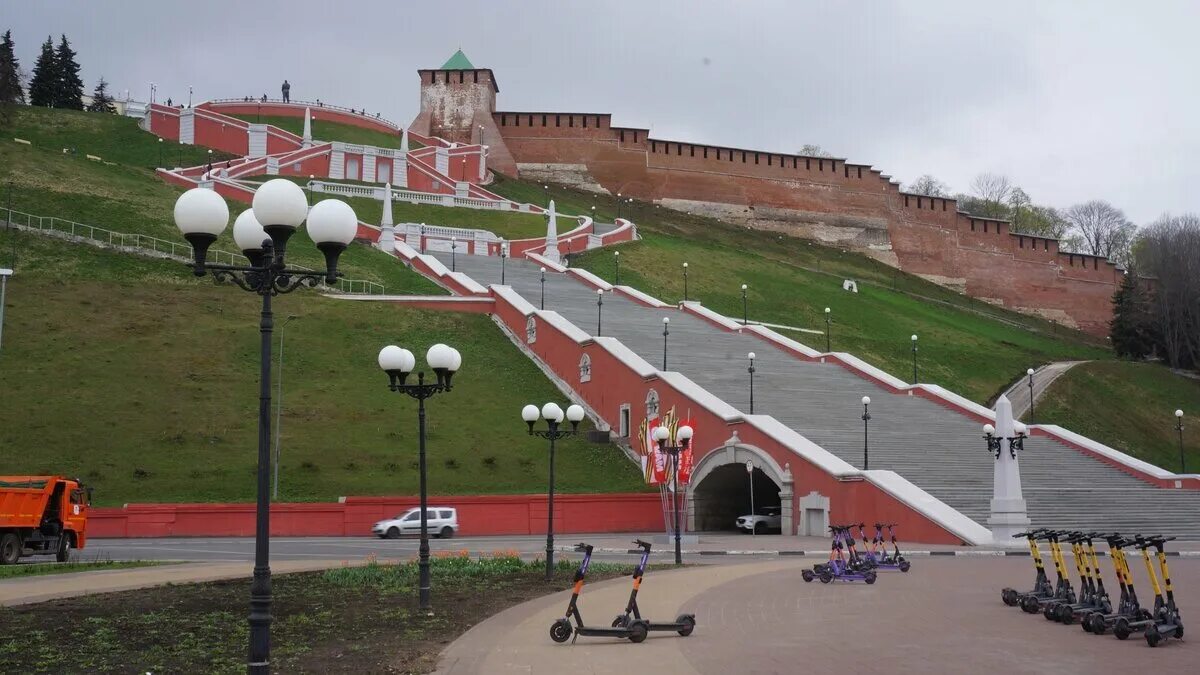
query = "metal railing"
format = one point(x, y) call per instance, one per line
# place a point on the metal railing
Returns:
point(144, 244)
point(311, 104)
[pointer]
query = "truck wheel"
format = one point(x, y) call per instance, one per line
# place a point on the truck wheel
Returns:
point(10, 549)
point(66, 544)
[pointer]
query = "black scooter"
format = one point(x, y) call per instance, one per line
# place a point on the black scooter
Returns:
point(684, 624)
point(562, 629)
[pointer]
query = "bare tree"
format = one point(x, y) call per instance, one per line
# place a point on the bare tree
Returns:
point(1169, 250)
point(811, 150)
point(1103, 229)
point(928, 185)
point(992, 187)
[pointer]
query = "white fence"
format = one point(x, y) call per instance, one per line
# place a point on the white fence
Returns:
point(402, 195)
point(142, 244)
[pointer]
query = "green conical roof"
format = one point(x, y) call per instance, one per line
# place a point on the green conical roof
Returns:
point(458, 62)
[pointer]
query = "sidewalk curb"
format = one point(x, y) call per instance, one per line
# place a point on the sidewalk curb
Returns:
point(986, 553)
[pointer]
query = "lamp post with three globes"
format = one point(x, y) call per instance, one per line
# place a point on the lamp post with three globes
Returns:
point(554, 416)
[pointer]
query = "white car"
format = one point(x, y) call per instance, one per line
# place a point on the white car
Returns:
point(441, 521)
point(766, 520)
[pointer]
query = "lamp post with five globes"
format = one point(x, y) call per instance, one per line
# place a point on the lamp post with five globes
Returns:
point(554, 417)
point(398, 363)
point(202, 215)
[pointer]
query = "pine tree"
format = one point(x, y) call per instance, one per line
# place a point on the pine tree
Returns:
point(70, 87)
point(44, 83)
point(101, 101)
point(1133, 331)
point(10, 69)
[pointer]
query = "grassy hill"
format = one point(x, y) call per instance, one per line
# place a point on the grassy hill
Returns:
point(965, 345)
point(143, 381)
point(324, 130)
point(1129, 406)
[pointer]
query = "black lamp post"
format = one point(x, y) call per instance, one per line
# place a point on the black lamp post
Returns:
point(202, 215)
point(619, 202)
point(312, 179)
point(866, 418)
point(160, 149)
point(1016, 442)
point(599, 307)
point(751, 371)
point(543, 306)
point(745, 307)
point(666, 325)
point(914, 353)
point(1179, 428)
point(685, 285)
point(1029, 372)
point(593, 219)
point(617, 267)
point(828, 319)
point(554, 417)
point(453, 250)
point(683, 437)
point(503, 257)
point(398, 364)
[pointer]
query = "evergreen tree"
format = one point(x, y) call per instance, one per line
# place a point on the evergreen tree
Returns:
point(1133, 331)
point(101, 101)
point(70, 87)
point(44, 83)
point(10, 69)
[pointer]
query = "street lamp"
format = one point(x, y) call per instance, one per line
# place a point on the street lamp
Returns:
point(666, 324)
point(553, 416)
point(398, 364)
point(5, 273)
point(278, 398)
point(311, 179)
point(619, 200)
point(617, 264)
point(593, 219)
point(599, 306)
point(160, 149)
point(543, 288)
point(914, 352)
point(750, 473)
point(828, 319)
point(1178, 428)
point(745, 307)
point(1029, 372)
point(751, 371)
point(503, 257)
point(201, 216)
point(685, 286)
point(866, 418)
point(683, 438)
point(1015, 442)
point(453, 249)
point(481, 134)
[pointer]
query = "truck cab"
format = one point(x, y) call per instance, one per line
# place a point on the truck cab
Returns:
point(42, 515)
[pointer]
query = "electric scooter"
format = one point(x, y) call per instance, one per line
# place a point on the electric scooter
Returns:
point(1093, 598)
point(1063, 592)
point(840, 567)
point(1041, 584)
point(1128, 607)
point(684, 624)
point(878, 553)
point(562, 629)
point(1164, 619)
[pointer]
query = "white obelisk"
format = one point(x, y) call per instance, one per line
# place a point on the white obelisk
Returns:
point(1010, 514)
point(387, 235)
point(306, 141)
point(551, 252)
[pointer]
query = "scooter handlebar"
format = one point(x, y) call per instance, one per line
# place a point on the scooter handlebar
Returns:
point(643, 544)
point(583, 548)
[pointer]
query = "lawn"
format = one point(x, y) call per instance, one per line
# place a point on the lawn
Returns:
point(142, 380)
point(1129, 406)
point(353, 619)
point(42, 569)
point(965, 345)
point(324, 130)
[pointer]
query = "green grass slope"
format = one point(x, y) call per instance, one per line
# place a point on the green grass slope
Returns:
point(1130, 407)
point(143, 381)
point(324, 130)
point(968, 346)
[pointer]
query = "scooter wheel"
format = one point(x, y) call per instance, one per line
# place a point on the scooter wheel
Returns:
point(807, 576)
point(869, 577)
point(1153, 637)
point(560, 631)
point(1009, 596)
point(638, 632)
point(1178, 631)
point(688, 622)
point(906, 566)
point(1121, 629)
point(1086, 623)
point(826, 577)
point(1029, 604)
point(620, 621)
point(1099, 627)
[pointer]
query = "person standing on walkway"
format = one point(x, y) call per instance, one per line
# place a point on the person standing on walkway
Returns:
point(287, 92)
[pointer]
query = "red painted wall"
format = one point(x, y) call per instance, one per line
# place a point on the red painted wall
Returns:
point(477, 515)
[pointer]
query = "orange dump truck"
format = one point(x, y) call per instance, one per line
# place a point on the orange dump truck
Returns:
point(42, 515)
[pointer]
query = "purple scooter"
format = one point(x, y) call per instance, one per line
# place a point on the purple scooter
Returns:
point(839, 566)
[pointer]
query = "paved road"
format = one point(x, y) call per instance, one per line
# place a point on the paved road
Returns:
point(1043, 377)
point(943, 617)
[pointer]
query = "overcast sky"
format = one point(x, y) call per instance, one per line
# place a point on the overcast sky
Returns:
point(1074, 100)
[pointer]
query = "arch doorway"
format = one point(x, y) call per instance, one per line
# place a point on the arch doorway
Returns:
point(720, 488)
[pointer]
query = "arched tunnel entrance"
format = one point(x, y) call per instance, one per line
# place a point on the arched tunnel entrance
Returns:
point(724, 494)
